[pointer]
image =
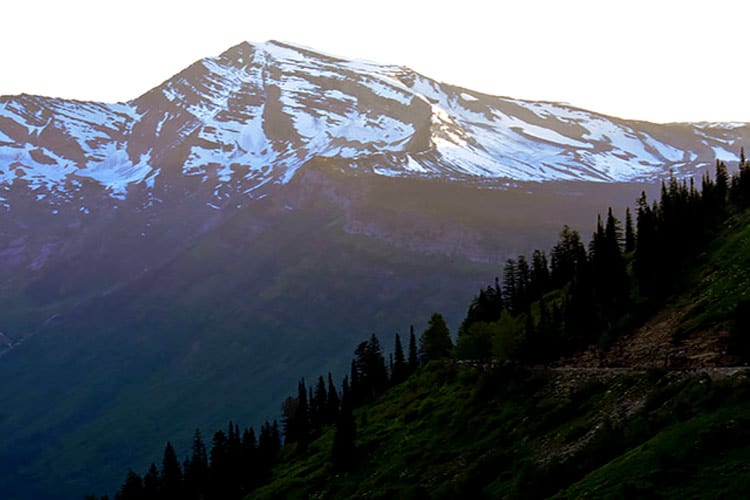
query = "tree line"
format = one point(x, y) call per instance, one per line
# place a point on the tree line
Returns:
point(542, 308)
point(239, 462)
point(581, 295)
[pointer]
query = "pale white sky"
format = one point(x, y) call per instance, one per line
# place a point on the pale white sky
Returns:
point(646, 59)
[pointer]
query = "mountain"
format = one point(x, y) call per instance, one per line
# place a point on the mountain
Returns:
point(183, 257)
point(257, 114)
point(660, 409)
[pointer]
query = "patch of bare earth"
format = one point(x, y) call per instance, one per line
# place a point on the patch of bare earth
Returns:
point(659, 344)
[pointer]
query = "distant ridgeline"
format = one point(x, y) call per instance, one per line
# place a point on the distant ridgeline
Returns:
point(545, 307)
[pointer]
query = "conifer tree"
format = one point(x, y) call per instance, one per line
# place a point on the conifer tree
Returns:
point(435, 340)
point(344, 449)
point(303, 417)
point(399, 371)
point(332, 402)
point(509, 285)
point(170, 481)
point(219, 467)
point(268, 447)
point(540, 279)
point(629, 234)
point(132, 488)
point(248, 465)
point(151, 486)
point(319, 405)
point(196, 469)
point(523, 277)
point(566, 257)
point(413, 358)
point(370, 370)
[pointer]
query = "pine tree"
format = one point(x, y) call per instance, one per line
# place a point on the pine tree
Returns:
point(540, 278)
point(647, 248)
point(332, 406)
point(319, 405)
point(234, 459)
point(132, 488)
point(344, 449)
point(566, 257)
point(170, 480)
point(435, 342)
point(268, 446)
point(509, 285)
point(249, 461)
point(354, 384)
point(196, 470)
point(219, 467)
point(523, 278)
point(629, 234)
point(370, 370)
point(399, 371)
point(722, 186)
point(413, 358)
point(151, 486)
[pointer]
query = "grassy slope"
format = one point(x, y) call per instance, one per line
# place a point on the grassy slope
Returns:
point(454, 432)
point(451, 432)
point(723, 279)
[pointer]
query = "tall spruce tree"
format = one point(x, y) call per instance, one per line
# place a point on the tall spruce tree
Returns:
point(170, 480)
point(249, 460)
point(332, 405)
point(413, 357)
point(132, 488)
point(151, 486)
point(399, 371)
point(436, 340)
point(629, 232)
point(319, 405)
point(196, 470)
point(344, 449)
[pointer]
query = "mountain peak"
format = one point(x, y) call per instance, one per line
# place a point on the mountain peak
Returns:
point(260, 111)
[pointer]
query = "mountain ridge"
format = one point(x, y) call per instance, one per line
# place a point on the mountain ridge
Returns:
point(258, 113)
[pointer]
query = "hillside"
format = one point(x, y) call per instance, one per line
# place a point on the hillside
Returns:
point(187, 254)
point(652, 400)
point(455, 432)
point(658, 413)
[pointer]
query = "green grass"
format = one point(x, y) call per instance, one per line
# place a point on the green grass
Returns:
point(723, 278)
point(454, 432)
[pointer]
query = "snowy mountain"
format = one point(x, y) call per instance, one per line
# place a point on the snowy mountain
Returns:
point(257, 114)
point(354, 198)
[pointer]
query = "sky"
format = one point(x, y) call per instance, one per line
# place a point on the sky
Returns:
point(660, 61)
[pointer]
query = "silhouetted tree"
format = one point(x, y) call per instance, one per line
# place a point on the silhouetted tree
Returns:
point(370, 371)
point(399, 372)
point(151, 486)
point(170, 481)
point(332, 402)
point(629, 232)
point(413, 359)
point(319, 405)
point(196, 468)
point(132, 488)
point(344, 449)
point(436, 341)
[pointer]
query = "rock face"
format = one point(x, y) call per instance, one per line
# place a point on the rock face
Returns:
point(257, 114)
point(181, 259)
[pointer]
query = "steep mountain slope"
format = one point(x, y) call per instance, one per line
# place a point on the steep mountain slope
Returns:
point(151, 251)
point(456, 432)
point(258, 113)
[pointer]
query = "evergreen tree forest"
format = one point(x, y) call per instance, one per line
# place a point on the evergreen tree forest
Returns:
point(544, 306)
point(547, 307)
